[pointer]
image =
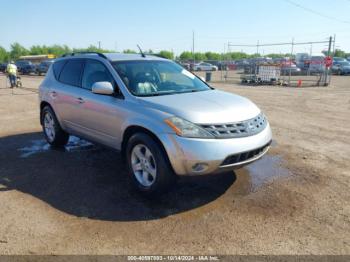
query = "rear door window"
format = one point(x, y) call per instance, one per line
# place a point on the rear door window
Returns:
point(71, 73)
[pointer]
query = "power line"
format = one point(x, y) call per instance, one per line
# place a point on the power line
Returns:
point(278, 44)
point(316, 12)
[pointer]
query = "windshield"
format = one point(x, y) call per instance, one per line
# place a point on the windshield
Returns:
point(153, 78)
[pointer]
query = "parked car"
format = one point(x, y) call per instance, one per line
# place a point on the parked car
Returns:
point(316, 65)
point(204, 67)
point(241, 64)
point(288, 67)
point(164, 120)
point(43, 67)
point(25, 67)
point(260, 61)
point(3, 67)
point(221, 65)
point(339, 59)
point(341, 68)
point(185, 65)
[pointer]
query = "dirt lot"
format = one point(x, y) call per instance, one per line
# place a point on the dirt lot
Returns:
point(78, 201)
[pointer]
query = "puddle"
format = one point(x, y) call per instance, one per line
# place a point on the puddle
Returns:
point(40, 146)
point(264, 171)
point(77, 144)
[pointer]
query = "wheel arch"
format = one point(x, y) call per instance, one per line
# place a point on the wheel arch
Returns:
point(133, 129)
point(42, 105)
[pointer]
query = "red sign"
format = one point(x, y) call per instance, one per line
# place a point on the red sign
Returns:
point(328, 61)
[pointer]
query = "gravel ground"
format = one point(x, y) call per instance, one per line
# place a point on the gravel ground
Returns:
point(79, 201)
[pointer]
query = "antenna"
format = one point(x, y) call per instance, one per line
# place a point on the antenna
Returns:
point(142, 53)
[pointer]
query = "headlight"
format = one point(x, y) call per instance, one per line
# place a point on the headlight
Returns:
point(186, 129)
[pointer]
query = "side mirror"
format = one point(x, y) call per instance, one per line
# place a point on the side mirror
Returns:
point(102, 88)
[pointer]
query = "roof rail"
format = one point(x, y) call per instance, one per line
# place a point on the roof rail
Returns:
point(83, 52)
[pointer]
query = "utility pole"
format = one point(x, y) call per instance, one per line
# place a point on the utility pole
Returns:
point(193, 47)
point(328, 54)
point(223, 58)
point(290, 61)
point(257, 48)
point(333, 55)
point(330, 46)
point(99, 44)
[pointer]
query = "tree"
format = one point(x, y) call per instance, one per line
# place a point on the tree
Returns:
point(4, 55)
point(58, 50)
point(186, 55)
point(340, 53)
point(199, 56)
point(92, 48)
point(273, 55)
point(37, 50)
point(17, 50)
point(213, 56)
point(129, 51)
point(337, 53)
point(166, 54)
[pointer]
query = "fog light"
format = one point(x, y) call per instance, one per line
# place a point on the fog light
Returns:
point(199, 167)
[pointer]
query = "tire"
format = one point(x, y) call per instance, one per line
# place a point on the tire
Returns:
point(53, 132)
point(163, 177)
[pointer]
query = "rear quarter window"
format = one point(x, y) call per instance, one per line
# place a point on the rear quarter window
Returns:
point(57, 68)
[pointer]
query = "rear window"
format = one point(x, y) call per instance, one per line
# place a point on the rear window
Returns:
point(57, 67)
point(71, 72)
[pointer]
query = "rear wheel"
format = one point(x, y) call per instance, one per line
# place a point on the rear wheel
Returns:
point(53, 132)
point(148, 165)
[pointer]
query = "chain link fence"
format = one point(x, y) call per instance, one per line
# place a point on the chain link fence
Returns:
point(298, 69)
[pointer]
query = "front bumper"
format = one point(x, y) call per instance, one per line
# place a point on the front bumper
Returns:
point(193, 156)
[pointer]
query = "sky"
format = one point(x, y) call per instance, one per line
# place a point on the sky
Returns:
point(169, 24)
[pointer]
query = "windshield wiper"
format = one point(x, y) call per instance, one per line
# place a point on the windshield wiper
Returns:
point(146, 95)
point(190, 91)
point(157, 94)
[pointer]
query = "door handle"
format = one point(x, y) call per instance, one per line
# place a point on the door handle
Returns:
point(80, 100)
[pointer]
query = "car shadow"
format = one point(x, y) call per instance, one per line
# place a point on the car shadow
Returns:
point(89, 181)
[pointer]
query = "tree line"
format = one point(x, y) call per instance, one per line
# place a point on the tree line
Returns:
point(17, 50)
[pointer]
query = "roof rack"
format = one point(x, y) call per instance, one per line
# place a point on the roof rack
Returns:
point(85, 53)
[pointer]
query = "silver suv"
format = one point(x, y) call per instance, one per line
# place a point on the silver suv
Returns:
point(166, 121)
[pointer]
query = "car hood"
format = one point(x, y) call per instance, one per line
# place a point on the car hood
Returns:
point(205, 107)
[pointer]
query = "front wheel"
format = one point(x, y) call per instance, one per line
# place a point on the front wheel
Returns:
point(148, 165)
point(53, 132)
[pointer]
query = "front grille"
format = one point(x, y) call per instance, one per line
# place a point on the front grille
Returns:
point(239, 129)
point(234, 159)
